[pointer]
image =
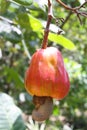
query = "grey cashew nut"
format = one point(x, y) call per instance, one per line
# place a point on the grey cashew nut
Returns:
point(43, 108)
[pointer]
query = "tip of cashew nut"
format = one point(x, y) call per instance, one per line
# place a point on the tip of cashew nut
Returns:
point(44, 110)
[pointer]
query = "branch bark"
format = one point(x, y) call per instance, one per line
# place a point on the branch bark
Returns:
point(46, 31)
point(69, 8)
point(75, 10)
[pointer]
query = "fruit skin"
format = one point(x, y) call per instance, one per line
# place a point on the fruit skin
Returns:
point(46, 75)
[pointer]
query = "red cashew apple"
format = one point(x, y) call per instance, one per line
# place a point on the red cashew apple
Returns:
point(46, 78)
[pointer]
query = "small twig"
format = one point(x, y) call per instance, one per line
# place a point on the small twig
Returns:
point(69, 8)
point(63, 23)
point(75, 10)
point(25, 49)
point(46, 31)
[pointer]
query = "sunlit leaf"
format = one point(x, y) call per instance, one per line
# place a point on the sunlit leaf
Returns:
point(10, 33)
point(53, 28)
point(10, 114)
point(24, 2)
point(56, 111)
point(61, 40)
point(29, 22)
point(35, 23)
point(81, 1)
point(41, 3)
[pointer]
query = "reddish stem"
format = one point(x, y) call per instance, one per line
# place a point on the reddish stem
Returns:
point(69, 8)
point(46, 31)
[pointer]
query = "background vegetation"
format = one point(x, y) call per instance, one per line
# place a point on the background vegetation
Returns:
point(21, 33)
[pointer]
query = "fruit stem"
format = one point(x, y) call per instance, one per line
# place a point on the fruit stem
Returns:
point(46, 31)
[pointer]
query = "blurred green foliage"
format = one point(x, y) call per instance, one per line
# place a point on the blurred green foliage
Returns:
point(21, 34)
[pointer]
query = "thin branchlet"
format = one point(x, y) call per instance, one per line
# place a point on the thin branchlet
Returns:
point(75, 10)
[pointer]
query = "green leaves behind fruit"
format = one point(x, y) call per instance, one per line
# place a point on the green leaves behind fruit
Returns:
point(24, 2)
point(15, 77)
point(10, 33)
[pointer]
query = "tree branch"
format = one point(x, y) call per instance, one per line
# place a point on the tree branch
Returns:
point(46, 31)
point(67, 18)
point(69, 8)
point(75, 10)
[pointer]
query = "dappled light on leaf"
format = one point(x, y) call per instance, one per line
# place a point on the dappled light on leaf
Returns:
point(61, 40)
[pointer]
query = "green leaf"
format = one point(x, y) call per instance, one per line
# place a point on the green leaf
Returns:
point(28, 97)
point(10, 33)
point(29, 22)
point(41, 4)
point(10, 114)
point(56, 111)
point(61, 40)
point(35, 23)
point(13, 75)
point(24, 2)
point(12, 36)
point(53, 28)
point(3, 6)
